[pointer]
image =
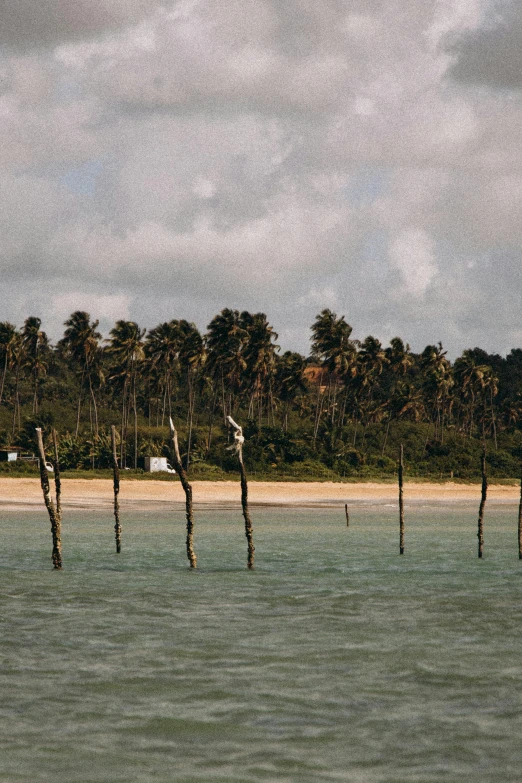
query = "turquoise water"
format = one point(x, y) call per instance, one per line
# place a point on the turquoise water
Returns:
point(335, 660)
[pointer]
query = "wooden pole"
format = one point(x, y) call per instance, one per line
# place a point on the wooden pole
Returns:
point(249, 532)
point(347, 515)
point(520, 523)
point(480, 533)
point(176, 458)
point(53, 516)
point(57, 480)
point(116, 483)
point(401, 500)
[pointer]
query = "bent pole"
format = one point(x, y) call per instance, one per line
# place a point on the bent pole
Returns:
point(53, 516)
point(237, 446)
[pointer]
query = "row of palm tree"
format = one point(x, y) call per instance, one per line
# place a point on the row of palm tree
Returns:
point(383, 384)
point(236, 368)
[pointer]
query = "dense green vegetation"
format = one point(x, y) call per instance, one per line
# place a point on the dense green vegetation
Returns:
point(339, 413)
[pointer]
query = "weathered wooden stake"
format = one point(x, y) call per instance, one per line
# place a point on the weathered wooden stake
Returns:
point(347, 515)
point(53, 516)
point(116, 483)
point(188, 493)
point(238, 447)
point(520, 523)
point(401, 500)
point(57, 480)
point(480, 533)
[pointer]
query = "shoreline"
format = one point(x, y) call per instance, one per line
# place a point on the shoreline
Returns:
point(19, 493)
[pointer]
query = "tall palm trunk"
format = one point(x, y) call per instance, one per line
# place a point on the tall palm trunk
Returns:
point(319, 408)
point(164, 406)
point(16, 406)
point(493, 421)
point(94, 407)
point(385, 437)
point(123, 444)
point(4, 374)
point(211, 420)
point(191, 407)
point(35, 395)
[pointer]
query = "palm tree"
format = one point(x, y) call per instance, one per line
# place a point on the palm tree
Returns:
point(437, 382)
point(333, 347)
point(17, 353)
point(192, 357)
point(126, 348)
point(259, 355)
point(162, 347)
point(8, 340)
point(80, 343)
point(473, 381)
point(400, 362)
point(371, 361)
point(225, 340)
point(34, 343)
point(331, 343)
point(289, 381)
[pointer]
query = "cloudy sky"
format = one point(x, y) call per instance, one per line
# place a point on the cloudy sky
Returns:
point(166, 160)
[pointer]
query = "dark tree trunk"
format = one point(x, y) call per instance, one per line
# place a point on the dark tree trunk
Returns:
point(135, 428)
point(401, 500)
point(191, 408)
point(176, 458)
point(94, 407)
point(319, 408)
point(249, 533)
point(385, 438)
point(16, 406)
point(3, 377)
point(53, 516)
point(57, 480)
point(493, 422)
point(480, 532)
point(116, 483)
point(347, 515)
point(79, 409)
point(35, 393)
point(211, 421)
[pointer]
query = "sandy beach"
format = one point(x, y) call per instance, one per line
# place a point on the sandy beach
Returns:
point(98, 493)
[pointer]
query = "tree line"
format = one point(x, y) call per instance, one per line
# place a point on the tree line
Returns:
point(340, 411)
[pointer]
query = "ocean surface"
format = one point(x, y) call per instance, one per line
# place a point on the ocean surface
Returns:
point(335, 660)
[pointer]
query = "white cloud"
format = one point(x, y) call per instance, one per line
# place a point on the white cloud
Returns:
point(412, 253)
point(108, 308)
point(320, 298)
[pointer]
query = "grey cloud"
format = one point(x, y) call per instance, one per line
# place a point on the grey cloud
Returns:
point(41, 23)
point(206, 157)
point(492, 55)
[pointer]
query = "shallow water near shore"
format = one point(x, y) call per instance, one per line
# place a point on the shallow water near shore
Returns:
point(335, 660)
